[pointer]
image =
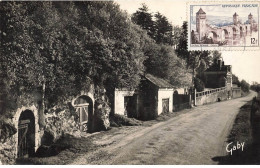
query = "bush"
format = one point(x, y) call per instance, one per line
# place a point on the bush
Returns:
point(117, 120)
point(199, 84)
point(245, 86)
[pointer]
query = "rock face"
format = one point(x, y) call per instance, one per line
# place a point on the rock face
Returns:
point(7, 154)
point(59, 122)
point(7, 129)
point(101, 110)
point(64, 119)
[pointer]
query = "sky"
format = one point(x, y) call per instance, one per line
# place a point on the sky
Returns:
point(245, 64)
point(224, 11)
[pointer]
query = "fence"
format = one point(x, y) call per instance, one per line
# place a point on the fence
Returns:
point(210, 96)
point(181, 101)
point(208, 92)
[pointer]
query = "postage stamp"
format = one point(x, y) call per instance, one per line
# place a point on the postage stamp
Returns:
point(223, 25)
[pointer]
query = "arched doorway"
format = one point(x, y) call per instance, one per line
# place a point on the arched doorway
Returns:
point(26, 134)
point(84, 108)
point(213, 35)
point(224, 35)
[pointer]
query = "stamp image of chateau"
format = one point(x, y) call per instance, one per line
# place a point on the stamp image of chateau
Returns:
point(234, 25)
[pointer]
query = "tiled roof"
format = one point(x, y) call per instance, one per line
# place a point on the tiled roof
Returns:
point(201, 11)
point(235, 14)
point(161, 83)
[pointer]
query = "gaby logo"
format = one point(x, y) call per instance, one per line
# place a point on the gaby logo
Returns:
point(230, 147)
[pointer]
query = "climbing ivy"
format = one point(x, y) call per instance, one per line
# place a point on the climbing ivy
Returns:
point(56, 49)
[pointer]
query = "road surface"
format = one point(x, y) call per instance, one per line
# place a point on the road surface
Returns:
point(194, 137)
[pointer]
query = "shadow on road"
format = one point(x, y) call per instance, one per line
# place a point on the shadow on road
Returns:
point(246, 128)
point(250, 156)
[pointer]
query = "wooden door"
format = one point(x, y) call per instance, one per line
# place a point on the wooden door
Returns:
point(22, 138)
point(82, 110)
point(165, 105)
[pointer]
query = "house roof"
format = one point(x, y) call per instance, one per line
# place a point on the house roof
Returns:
point(235, 14)
point(161, 83)
point(224, 68)
point(201, 11)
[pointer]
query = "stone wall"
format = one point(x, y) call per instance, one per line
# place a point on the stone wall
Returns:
point(7, 153)
point(236, 92)
point(9, 126)
point(59, 120)
point(58, 123)
point(9, 145)
point(211, 96)
point(101, 110)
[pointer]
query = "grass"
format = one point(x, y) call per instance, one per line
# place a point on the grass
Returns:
point(241, 130)
point(61, 152)
point(120, 120)
point(245, 129)
point(244, 94)
point(66, 149)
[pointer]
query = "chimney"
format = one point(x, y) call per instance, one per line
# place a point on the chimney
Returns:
point(219, 64)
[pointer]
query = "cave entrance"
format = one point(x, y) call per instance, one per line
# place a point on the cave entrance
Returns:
point(26, 134)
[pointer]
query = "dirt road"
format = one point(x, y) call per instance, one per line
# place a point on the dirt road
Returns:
point(194, 137)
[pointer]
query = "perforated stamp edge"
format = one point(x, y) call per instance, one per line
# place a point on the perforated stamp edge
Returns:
point(215, 47)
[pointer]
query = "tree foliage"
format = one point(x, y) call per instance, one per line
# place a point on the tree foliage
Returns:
point(163, 30)
point(163, 62)
point(199, 84)
point(161, 58)
point(157, 26)
point(144, 18)
point(216, 55)
point(67, 46)
point(182, 46)
point(255, 86)
point(235, 80)
point(197, 61)
point(245, 86)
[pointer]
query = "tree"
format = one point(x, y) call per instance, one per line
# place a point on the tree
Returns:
point(199, 84)
point(163, 62)
point(163, 30)
point(235, 80)
point(159, 29)
point(255, 86)
point(197, 61)
point(58, 49)
point(216, 55)
point(161, 58)
point(245, 86)
point(182, 46)
point(144, 18)
point(120, 62)
point(176, 35)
